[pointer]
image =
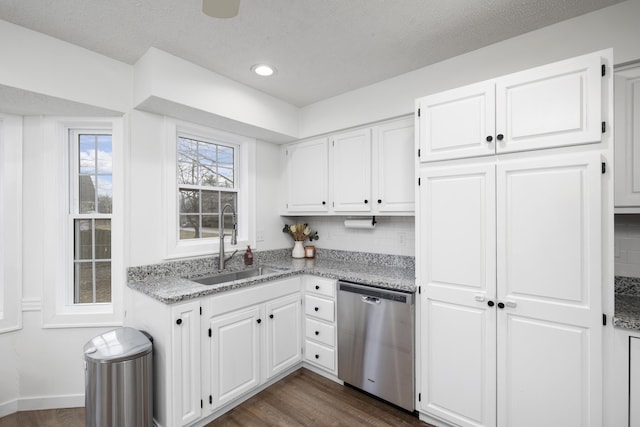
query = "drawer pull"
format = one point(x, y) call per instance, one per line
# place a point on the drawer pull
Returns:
point(317, 308)
point(317, 287)
point(317, 332)
point(317, 356)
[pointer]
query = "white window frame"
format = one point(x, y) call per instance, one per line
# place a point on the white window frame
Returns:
point(59, 310)
point(246, 183)
point(10, 223)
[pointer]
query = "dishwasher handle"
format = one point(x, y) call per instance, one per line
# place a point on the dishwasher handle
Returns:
point(375, 293)
point(370, 300)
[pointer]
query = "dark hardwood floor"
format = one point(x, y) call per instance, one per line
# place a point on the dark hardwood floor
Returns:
point(301, 399)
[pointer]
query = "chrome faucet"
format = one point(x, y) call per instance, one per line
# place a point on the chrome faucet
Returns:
point(234, 235)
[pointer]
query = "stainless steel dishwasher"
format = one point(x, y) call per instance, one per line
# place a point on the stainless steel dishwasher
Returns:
point(376, 341)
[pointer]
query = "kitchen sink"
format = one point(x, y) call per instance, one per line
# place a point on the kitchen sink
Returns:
point(236, 275)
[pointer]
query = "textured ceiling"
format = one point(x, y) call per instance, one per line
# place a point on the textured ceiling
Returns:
point(320, 48)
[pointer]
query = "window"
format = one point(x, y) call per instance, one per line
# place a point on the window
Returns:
point(206, 184)
point(206, 169)
point(10, 223)
point(82, 227)
point(91, 209)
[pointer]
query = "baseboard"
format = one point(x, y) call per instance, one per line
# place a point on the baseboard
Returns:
point(50, 402)
point(8, 408)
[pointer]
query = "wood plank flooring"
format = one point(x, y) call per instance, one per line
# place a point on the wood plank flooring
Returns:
point(301, 399)
point(305, 398)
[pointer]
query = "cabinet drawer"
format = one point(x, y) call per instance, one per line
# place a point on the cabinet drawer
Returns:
point(319, 307)
point(321, 286)
point(320, 355)
point(321, 332)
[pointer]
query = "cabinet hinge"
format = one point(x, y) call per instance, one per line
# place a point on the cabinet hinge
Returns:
point(419, 397)
point(604, 319)
point(201, 404)
point(418, 152)
point(418, 181)
point(604, 70)
point(604, 167)
point(209, 332)
point(200, 311)
point(210, 400)
point(418, 112)
point(604, 127)
point(419, 289)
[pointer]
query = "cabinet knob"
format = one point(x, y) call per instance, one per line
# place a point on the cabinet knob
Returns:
point(489, 138)
point(317, 332)
point(366, 201)
point(317, 308)
point(259, 320)
point(317, 356)
point(491, 303)
point(179, 322)
point(379, 201)
point(271, 316)
point(317, 287)
point(500, 305)
point(500, 137)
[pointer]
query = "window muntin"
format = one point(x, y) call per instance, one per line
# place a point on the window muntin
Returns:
point(91, 211)
point(206, 183)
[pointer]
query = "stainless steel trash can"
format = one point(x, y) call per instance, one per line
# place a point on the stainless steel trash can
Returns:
point(118, 379)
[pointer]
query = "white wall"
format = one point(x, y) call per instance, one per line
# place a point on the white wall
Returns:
point(627, 245)
point(38, 63)
point(616, 26)
point(391, 235)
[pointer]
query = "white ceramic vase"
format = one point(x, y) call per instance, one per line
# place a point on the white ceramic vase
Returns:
point(298, 250)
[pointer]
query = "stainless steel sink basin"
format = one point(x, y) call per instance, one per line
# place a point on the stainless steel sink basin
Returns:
point(236, 275)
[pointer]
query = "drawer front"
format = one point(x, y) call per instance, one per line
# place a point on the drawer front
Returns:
point(319, 307)
point(320, 355)
point(321, 332)
point(321, 286)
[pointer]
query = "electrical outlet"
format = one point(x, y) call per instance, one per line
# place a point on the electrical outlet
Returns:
point(402, 238)
point(260, 236)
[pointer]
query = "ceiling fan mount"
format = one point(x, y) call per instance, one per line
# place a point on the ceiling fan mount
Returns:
point(221, 8)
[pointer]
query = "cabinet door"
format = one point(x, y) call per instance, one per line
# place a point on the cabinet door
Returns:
point(235, 354)
point(457, 123)
point(284, 333)
point(351, 171)
point(550, 106)
point(457, 270)
point(186, 363)
point(307, 176)
point(634, 382)
point(627, 140)
point(550, 283)
point(394, 159)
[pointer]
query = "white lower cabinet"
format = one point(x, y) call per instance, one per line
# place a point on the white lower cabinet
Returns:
point(320, 323)
point(634, 381)
point(249, 336)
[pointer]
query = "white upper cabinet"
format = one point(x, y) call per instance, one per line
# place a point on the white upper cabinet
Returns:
point(307, 176)
point(458, 123)
point(351, 171)
point(393, 171)
point(550, 106)
point(627, 138)
point(369, 171)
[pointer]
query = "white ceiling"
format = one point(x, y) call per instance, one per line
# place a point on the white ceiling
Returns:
point(320, 48)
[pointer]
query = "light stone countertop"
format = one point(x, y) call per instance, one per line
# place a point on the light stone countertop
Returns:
point(173, 284)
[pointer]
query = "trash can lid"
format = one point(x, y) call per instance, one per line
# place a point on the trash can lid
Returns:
point(117, 345)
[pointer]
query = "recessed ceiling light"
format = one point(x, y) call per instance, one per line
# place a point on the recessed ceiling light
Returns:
point(263, 70)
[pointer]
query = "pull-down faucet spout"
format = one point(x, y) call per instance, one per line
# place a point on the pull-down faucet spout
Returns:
point(234, 235)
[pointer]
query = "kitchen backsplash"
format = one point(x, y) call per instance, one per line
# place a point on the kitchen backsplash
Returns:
point(627, 245)
point(391, 235)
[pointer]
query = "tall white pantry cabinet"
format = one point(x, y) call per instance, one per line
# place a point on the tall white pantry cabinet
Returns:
point(514, 218)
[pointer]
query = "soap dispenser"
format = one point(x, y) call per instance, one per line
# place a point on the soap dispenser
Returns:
point(248, 256)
